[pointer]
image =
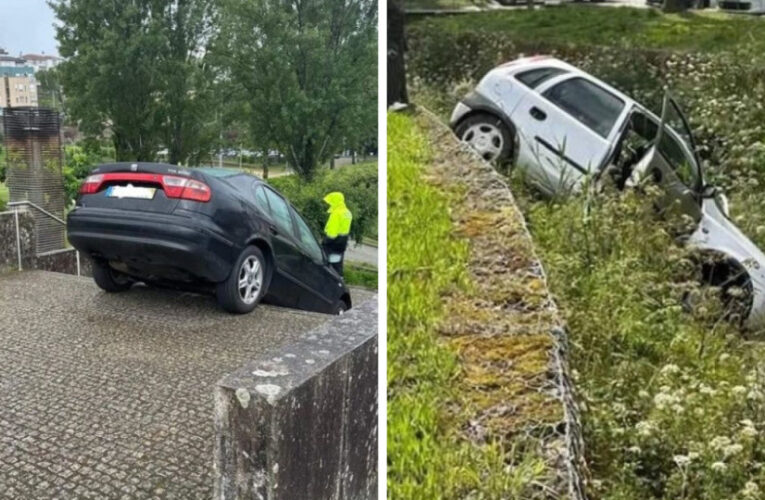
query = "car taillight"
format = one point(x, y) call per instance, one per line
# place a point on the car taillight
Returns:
point(185, 188)
point(92, 184)
point(173, 186)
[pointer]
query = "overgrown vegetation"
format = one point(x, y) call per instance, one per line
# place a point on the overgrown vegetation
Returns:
point(672, 402)
point(358, 183)
point(429, 454)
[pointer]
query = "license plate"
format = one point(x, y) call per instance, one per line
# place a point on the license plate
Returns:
point(129, 191)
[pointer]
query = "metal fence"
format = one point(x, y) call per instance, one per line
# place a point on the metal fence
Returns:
point(34, 157)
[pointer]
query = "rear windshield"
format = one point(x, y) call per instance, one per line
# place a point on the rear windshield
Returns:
point(220, 171)
point(533, 78)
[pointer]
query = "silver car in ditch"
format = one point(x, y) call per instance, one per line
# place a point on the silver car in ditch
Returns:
point(563, 126)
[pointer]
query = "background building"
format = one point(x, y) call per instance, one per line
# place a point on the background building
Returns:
point(18, 86)
point(18, 91)
point(41, 61)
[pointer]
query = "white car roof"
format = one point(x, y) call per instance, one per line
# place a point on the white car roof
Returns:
point(542, 61)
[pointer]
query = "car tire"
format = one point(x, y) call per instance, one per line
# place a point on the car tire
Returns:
point(340, 308)
point(489, 137)
point(246, 284)
point(109, 280)
point(728, 275)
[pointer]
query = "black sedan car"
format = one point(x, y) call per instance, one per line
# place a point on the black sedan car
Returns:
point(204, 229)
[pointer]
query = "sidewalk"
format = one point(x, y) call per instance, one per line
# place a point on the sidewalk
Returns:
point(363, 254)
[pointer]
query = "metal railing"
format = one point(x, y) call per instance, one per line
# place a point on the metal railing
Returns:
point(16, 207)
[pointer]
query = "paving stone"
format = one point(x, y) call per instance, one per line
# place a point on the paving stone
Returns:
point(111, 396)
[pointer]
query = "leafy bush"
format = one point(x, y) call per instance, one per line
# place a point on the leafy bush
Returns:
point(359, 185)
point(80, 160)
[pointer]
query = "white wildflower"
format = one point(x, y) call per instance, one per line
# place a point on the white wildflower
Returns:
point(720, 442)
point(644, 428)
point(751, 490)
point(662, 400)
point(719, 466)
point(733, 449)
point(670, 369)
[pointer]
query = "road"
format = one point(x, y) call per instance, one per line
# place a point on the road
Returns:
point(363, 254)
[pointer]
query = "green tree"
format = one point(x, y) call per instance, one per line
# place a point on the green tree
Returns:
point(137, 69)
point(307, 69)
point(49, 94)
point(187, 80)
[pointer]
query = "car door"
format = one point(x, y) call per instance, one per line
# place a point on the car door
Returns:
point(675, 165)
point(285, 283)
point(321, 283)
point(567, 123)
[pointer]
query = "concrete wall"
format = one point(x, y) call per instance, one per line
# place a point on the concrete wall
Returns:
point(301, 422)
point(8, 247)
point(61, 261)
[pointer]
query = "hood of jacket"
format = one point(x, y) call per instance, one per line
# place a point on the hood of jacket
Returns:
point(335, 200)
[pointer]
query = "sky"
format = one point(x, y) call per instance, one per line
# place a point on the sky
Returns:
point(26, 26)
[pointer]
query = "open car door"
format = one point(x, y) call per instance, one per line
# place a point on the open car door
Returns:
point(673, 164)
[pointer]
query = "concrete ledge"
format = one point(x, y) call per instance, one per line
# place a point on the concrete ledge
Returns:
point(60, 261)
point(64, 261)
point(301, 422)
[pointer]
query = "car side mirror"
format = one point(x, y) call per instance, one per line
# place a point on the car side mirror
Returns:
point(720, 199)
point(722, 202)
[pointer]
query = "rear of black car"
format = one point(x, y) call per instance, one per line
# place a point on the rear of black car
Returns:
point(154, 222)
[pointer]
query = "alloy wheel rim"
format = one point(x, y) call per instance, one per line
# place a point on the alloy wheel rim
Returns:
point(250, 280)
point(486, 139)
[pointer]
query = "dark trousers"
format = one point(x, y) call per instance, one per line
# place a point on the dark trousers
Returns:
point(336, 246)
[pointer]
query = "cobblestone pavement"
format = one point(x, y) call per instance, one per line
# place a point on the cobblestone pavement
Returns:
point(110, 396)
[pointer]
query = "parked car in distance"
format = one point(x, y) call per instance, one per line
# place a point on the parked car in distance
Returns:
point(206, 229)
point(742, 6)
point(562, 126)
point(689, 4)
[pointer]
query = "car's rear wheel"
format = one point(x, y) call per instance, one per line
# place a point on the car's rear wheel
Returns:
point(246, 284)
point(110, 280)
point(488, 136)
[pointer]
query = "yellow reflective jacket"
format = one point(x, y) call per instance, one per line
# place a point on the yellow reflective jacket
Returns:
point(339, 222)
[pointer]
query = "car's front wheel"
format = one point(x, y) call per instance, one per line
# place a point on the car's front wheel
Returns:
point(246, 284)
point(340, 308)
point(110, 280)
point(488, 135)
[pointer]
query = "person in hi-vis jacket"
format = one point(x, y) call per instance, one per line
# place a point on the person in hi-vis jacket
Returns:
point(336, 230)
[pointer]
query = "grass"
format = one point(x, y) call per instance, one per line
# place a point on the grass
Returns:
point(435, 394)
point(624, 27)
point(360, 276)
